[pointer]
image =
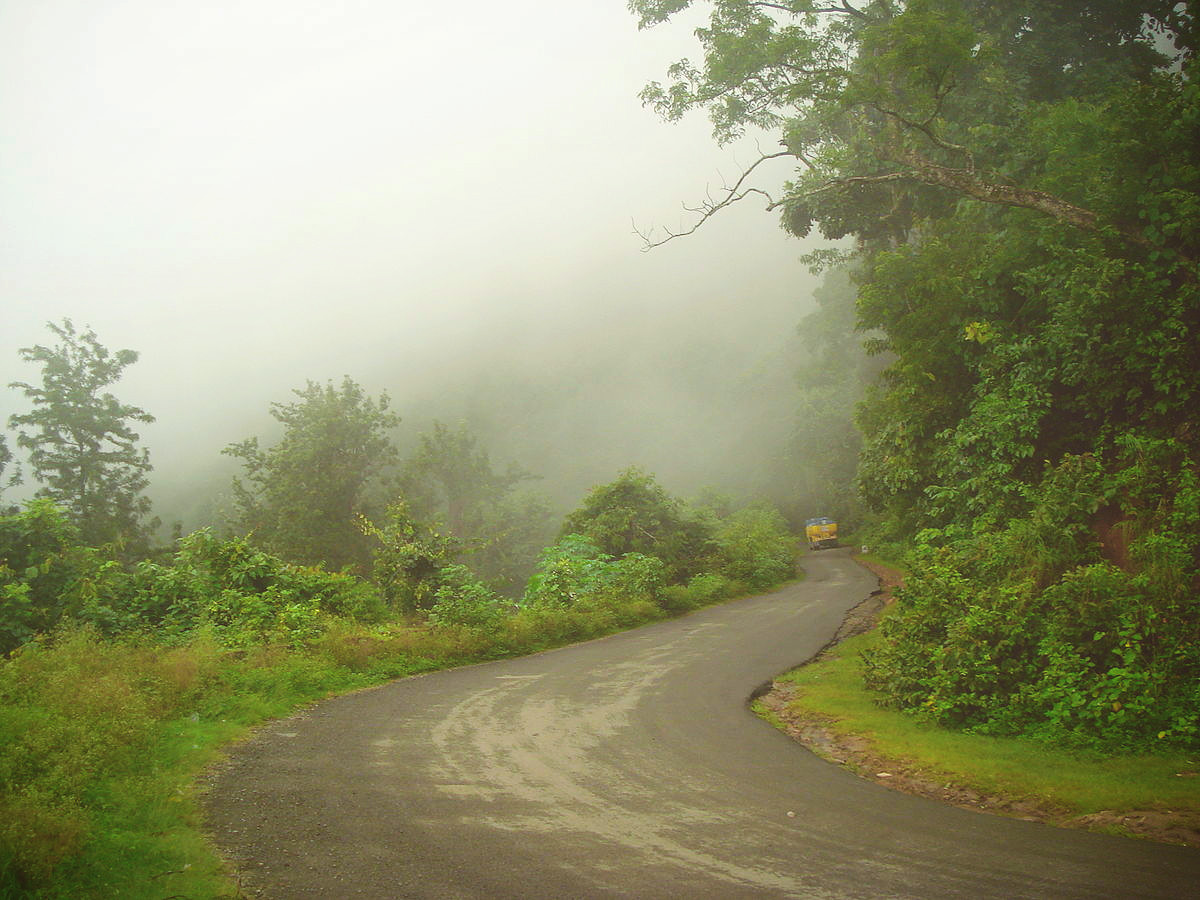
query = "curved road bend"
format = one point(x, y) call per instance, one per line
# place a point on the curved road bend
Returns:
point(628, 767)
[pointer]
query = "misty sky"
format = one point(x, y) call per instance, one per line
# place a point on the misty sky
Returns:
point(259, 192)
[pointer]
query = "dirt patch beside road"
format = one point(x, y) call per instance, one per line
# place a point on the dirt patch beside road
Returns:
point(820, 735)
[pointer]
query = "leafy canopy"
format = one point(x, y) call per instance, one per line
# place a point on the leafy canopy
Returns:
point(890, 109)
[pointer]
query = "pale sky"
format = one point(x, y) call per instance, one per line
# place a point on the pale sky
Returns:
point(255, 193)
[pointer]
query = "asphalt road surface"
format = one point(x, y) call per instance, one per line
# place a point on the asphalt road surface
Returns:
point(628, 767)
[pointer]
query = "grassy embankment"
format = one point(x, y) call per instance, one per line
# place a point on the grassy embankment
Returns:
point(104, 740)
point(1155, 796)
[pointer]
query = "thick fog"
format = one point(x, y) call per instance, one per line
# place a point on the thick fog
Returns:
point(436, 201)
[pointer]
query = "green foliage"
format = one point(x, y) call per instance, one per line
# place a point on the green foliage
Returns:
point(70, 714)
point(1022, 181)
point(103, 740)
point(246, 595)
point(701, 590)
point(44, 571)
point(1030, 629)
point(80, 439)
point(452, 467)
point(755, 548)
point(832, 377)
point(1066, 405)
point(578, 592)
point(302, 497)
point(409, 558)
point(463, 600)
point(634, 514)
point(1068, 780)
point(636, 541)
point(449, 479)
point(573, 568)
point(512, 530)
point(6, 457)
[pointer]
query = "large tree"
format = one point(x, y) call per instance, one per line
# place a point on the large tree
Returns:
point(302, 496)
point(452, 478)
point(833, 372)
point(80, 439)
point(1022, 186)
point(880, 101)
point(1022, 183)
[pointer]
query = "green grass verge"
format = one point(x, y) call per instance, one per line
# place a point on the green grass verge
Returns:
point(103, 743)
point(1005, 767)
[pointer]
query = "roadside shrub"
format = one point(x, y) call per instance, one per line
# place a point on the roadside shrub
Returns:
point(573, 568)
point(463, 600)
point(575, 572)
point(536, 626)
point(350, 645)
point(636, 577)
point(408, 559)
point(1029, 630)
point(71, 710)
point(701, 590)
point(634, 514)
point(41, 567)
point(755, 546)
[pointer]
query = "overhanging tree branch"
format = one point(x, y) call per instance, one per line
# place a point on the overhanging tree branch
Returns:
point(965, 181)
point(710, 207)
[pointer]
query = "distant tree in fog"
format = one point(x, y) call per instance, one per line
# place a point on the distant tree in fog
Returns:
point(301, 497)
point(81, 445)
point(5, 458)
point(449, 478)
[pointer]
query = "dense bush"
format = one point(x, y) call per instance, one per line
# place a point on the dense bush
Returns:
point(244, 594)
point(755, 547)
point(1040, 628)
point(701, 590)
point(634, 514)
point(41, 564)
point(408, 558)
point(73, 711)
point(576, 571)
point(463, 600)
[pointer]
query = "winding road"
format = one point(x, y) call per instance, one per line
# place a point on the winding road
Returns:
point(628, 767)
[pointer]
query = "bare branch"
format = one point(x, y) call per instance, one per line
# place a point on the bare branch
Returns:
point(730, 195)
point(779, 6)
point(968, 183)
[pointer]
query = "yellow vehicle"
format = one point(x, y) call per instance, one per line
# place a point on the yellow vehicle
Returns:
point(821, 532)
